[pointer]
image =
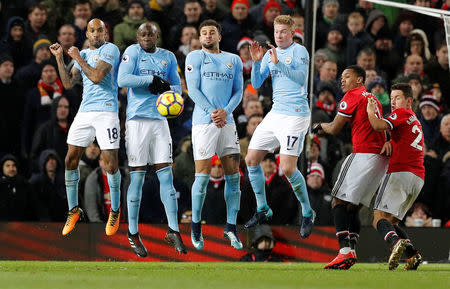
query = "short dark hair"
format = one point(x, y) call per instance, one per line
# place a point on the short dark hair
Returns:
point(254, 115)
point(210, 22)
point(82, 2)
point(404, 87)
point(440, 44)
point(38, 6)
point(360, 72)
point(366, 50)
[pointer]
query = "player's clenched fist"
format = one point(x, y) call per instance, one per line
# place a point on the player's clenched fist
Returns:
point(56, 50)
point(73, 52)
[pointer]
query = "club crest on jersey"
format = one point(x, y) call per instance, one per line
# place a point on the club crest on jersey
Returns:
point(189, 68)
point(125, 58)
point(229, 65)
point(164, 63)
point(288, 60)
point(343, 105)
point(96, 57)
point(393, 116)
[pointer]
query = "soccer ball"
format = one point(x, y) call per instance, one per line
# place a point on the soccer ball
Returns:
point(170, 104)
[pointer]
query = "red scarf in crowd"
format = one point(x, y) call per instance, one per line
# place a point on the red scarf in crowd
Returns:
point(327, 107)
point(45, 89)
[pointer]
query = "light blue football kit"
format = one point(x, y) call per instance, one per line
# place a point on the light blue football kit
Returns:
point(286, 124)
point(97, 117)
point(214, 81)
point(147, 131)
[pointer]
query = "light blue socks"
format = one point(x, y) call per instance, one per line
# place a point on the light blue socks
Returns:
point(134, 196)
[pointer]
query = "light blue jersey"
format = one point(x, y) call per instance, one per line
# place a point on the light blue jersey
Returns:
point(101, 96)
point(289, 79)
point(136, 72)
point(214, 80)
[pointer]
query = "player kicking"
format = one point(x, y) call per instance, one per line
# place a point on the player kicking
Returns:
point(286, 124)
point(215, 84)
point(97, 117)
point(361, 171)
point(405, 175)
point(145, 69)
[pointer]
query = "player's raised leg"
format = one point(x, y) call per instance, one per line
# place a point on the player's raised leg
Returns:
point(257, 180)
point(72, 177)
point(232, 197)
point(111, 160)
point(288, 164)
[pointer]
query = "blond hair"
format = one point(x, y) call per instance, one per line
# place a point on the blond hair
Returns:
point(286, 20)
point(355, 16)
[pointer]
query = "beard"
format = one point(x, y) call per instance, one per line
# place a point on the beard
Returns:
point(211, 46)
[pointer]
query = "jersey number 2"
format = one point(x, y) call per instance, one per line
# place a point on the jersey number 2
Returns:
point(415, 143)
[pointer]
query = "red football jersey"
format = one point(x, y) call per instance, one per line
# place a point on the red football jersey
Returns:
point(354, 106)
point(407, 142)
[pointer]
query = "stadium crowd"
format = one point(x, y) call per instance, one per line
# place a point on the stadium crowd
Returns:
point(390, 44)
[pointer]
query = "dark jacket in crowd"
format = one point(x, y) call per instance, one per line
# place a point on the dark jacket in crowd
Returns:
point(355, 43)
point(51, 194)
point(11, 111)
point(51, 136)
point(17, 199)
point(232, 32)
point(21, 51)
point(431, 129)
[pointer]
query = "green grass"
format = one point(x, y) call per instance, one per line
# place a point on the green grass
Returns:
point(81, 275)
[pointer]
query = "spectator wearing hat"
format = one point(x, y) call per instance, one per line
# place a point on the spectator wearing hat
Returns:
point(17, 198)
point(330, 11)
point(387, 58)
point(257, 10)
point(15, 44)
point(38, 102)
point(335, 46)
point(298, 37)
point(214, 208)
point(378, 87)
point(429, 24)
point(125, 32)
point(438, 71)
point(236, 25)
point(279, 193)
point(244, 53)
point(430, 119)
point(403, 26)
point(262, 242)
point(36, 26)
point(11, 109)
point(30, 74)
point(319, 194)
point(417, 43)
point(364, 8)
point(326, 99)
point(271, 10)
point(375, 23)
point(212, 11)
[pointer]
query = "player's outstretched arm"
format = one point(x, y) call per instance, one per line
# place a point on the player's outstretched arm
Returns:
point(335, 126)
point(376, 123)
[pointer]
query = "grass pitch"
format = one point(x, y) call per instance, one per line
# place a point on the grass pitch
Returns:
point(125, 275)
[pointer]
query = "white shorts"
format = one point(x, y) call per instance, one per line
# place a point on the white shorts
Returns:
point(280, 130)
point(148, 141)
point(397, 193)
point(105, 126)
point(208, 140)
point(359, 178)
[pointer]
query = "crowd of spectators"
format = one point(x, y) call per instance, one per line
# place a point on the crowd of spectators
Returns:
point(390, 44)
